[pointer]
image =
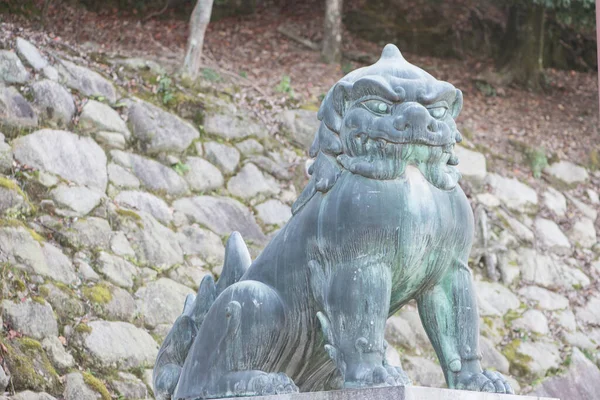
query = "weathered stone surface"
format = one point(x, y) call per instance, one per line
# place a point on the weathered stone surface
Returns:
point(232, 127)
point(120, 345)
point(513, 194)
point(566, 319)
point(567, 172)
point(77, 389)
point(274, 212)
point(66, 305)
point(277, 169)
point(190, 276)
point(29, 366)
point(532, 321)
point(30, 54)
point(31, 318)
point(60, 358)
point(121, 177)
point(58, 266)
point(548, 271)
point(154, 244)
point(555, 201)
point(4, 381)
point(75, 201)
point(12, 69)
point(488, 200)
point(581, 381)
point(302, 126)
point(146, 202)
point(119, 244)
point(551, 236)
point(583, 233)
point(97, 116)
point(423, 371)
point(202, 175)
point(593, 196)
point(54, 104)
point(12, 201)
point(204, 243)
point(250, 147)
point(112, 140)
point(117, 270)
point(222, 215)
point(544, 299)
point(129, 386)
point(580, 340)
point(223, 156)
point(78, 159)
point(152, 174)
point(121, 306)
point(492, 358)
point(29, 395)
point(158, 130)
point(15, 111)
point(589, 313)
point(471, 165)
point(534, 359)
point(6, 159)
point(21, 250)
point(87, 82)
point(92, 233)
point(584, 209)
point(494, 299)
point(51, 73)
point(521, 231)
point(250, 182)
point(161, 302)
point(406, 330)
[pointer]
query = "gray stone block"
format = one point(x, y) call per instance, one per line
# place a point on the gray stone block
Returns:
point(396, 393)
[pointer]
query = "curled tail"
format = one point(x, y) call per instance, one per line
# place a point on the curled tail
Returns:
point(175, 347)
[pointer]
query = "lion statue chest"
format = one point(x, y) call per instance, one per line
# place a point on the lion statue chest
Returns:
point(406, 223)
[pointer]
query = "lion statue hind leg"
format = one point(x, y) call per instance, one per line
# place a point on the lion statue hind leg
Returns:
point(237, 347)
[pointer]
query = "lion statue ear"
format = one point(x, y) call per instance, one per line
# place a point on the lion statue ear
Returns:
point(334, 105)
point(457, 105)
point(341, 94)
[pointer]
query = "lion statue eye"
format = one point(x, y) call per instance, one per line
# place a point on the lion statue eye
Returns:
point(377, 106)
point(438, 112)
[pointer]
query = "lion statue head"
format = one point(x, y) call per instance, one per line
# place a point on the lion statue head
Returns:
point(378, 119)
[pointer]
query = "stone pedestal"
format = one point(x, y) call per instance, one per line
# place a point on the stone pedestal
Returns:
point(397, 393)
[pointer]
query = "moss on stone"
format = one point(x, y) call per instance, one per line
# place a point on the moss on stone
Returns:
point(519, 363)
point(30, 367)
point(38, 299)
point(83, 328)
point(16, 223)
point(19, 285)
point(96, 385)
point(99, 294)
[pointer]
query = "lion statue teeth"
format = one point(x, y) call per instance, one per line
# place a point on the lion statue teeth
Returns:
point(381, 222)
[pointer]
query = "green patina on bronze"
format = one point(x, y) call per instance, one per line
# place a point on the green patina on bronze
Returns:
point(381, 222)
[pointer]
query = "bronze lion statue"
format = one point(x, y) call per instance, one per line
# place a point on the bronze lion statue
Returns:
point(381, 222)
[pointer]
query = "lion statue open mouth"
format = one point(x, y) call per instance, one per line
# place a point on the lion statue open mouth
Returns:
point(382, 221)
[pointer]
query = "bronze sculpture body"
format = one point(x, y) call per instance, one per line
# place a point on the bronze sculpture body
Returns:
point(382, 221)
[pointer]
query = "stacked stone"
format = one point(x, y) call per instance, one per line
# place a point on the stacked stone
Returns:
point(112, 212)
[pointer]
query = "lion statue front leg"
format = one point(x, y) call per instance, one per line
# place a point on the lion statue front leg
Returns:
point(355, 299)
point(449, 315)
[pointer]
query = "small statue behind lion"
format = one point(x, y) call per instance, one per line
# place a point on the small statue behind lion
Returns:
point(381, 222)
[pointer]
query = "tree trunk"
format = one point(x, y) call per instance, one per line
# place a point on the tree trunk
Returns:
point(198, 23)
point(521, 58)
point(332, 37)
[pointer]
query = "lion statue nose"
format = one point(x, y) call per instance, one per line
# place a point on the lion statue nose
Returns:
point(416, 118)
